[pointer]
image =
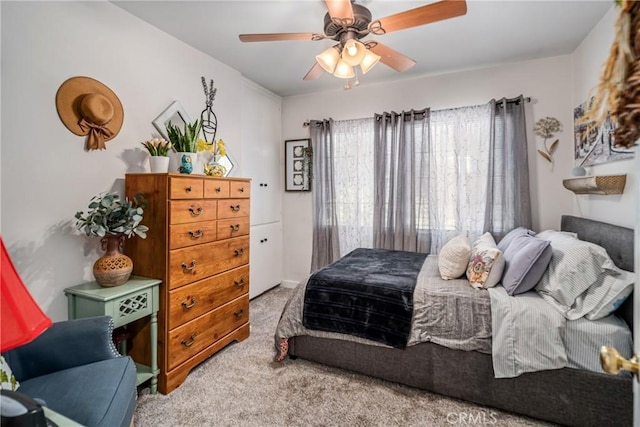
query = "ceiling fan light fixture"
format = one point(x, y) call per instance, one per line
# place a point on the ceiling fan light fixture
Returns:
point(369, 61)
point(344, 70)
point(353, 52)
point(328, 59)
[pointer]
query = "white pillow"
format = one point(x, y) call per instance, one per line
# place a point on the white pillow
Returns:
point(575, 266)
point(454, 257)
point(7, 379)
point(617, 289)
point(486, 264)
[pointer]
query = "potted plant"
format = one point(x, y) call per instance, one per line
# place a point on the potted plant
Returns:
point(158, 149)
point(185, 144)
point(112, 219)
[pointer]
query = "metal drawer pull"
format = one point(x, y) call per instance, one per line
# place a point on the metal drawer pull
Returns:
point(188, 305)
point(188, 189)
point(190, 341)
point(241, 189)
point(187, 267)
point(195, 211)
point(235, 208)
point(238, 252)
point(239, 313)
point(263, 240)
point(196, 235)
point(235, 227)
point(238, 283)
point(218, 189)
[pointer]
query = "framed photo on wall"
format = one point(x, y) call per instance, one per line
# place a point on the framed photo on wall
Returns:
point(297, 164)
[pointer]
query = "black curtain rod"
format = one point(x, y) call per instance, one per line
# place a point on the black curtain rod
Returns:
point(498, 102)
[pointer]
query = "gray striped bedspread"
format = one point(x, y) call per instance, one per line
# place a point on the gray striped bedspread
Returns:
point(528, 334)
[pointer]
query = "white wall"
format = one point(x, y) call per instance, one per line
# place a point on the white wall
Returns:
point(547, 81)
point(587, 62)
point(46, 174)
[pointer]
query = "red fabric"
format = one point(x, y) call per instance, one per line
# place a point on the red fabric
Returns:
point(21, 319)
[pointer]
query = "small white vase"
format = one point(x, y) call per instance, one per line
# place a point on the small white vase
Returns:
point(185, 163)
point(159, 164)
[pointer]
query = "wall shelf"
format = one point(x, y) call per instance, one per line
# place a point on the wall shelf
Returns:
point(600, 184)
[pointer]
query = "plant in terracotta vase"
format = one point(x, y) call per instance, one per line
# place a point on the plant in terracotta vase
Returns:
point(112, 219)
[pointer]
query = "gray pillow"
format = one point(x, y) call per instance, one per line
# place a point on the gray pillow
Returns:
point(506, 240)
point(527, 258)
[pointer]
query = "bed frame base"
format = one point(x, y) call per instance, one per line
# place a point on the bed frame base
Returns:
point(564, 396)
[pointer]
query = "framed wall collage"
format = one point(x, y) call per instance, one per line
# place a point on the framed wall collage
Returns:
point(297, 164)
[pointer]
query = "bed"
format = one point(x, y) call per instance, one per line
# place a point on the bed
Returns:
point(568, 395)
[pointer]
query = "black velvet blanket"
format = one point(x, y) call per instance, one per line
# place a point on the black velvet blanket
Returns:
point(367, 293)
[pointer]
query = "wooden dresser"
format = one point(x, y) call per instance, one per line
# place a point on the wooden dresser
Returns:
point(198, 245)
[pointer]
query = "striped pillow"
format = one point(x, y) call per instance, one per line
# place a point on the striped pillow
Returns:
point(575, 266)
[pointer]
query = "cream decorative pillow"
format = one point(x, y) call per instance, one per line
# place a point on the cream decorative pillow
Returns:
point(454, 257)
point(7, 379)
point(486, 263)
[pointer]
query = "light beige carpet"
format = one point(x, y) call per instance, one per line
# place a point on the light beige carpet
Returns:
point(242, 386)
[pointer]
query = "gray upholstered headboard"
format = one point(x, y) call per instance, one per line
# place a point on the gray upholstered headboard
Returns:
point(617, 240)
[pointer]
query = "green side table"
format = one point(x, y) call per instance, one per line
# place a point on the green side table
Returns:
point(137, 298)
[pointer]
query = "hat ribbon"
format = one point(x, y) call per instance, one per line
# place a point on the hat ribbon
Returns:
point(97, 134)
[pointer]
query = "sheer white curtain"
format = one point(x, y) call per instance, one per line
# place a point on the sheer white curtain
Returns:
point(353, 177)
point(454, 192)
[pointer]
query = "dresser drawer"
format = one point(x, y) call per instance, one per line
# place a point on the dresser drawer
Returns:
point(185, 188)
point(240, 189)
point(131, 307)
point(187, 265)
point(233, 208)
point(216, 189)
point(183, 211)
point(234, 227)
point(190, 301)
point(182, 235)
point(192, 337)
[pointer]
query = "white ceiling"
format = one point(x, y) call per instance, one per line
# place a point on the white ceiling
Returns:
point(492, 32)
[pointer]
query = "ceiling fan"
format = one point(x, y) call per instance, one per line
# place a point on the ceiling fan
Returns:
point(348, 23)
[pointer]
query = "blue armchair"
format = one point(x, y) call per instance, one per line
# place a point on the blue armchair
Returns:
point(75, 368)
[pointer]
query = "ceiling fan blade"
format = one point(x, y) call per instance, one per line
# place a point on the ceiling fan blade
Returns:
point(315, 72)
point(340, 9)
point(276, 37)
point(433, 12)
point(393, 59)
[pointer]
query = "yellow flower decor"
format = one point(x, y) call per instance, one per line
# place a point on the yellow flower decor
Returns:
point(214, 170)
point(217, 149)
point(221, 148)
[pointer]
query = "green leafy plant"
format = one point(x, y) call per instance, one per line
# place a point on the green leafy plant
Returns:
point(108, 214)
point(157, 146)
point(186, 140)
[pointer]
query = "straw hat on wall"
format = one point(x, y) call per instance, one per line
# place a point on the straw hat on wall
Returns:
point(88, 107)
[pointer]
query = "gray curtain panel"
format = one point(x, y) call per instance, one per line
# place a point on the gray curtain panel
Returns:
point(436, 174)
point(508, 197)
point(400, 142)
point(326, 247)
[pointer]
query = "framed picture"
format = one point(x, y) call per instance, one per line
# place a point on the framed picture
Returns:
point(173, 114)
point(297, 164)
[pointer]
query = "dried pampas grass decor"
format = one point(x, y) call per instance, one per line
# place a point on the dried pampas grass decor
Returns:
point(618, 91)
